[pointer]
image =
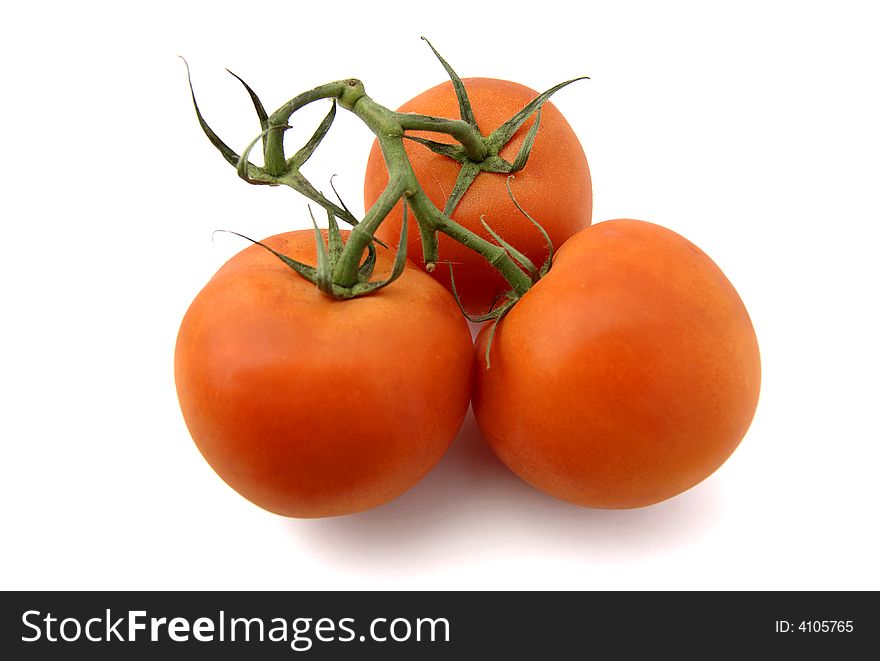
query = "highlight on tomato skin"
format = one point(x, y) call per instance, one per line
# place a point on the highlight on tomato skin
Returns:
point(313, 407)
point(555, 182)
point(624, 377)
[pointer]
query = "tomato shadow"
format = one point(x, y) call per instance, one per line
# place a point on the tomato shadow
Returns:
point(472, 509)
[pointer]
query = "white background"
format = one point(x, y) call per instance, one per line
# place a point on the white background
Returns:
point(749, 127)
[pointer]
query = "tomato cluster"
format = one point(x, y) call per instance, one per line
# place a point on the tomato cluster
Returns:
point(625, 375)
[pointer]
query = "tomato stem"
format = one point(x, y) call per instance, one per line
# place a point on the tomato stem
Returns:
point(345, 274)
point(475, 153)
point(389, 128)
point(276, 163)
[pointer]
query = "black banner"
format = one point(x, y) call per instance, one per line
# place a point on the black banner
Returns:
point(341, 625)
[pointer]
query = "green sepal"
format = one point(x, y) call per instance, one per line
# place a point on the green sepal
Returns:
point(455, 295)
point(455, 152)
point(249, 172)
point(362, 288)
point(299, 158)
point(517, 256)
point(525, 148)
point(338, 197)
point(400, 257)
point(365, 270)
point(323, 274)
point(494, 142)
point(320, 274)
point(502, 135)
point(497, 164)
point(545, 267)
point(476, 319)
point(255, 175)
point(466, 176)
point(306, 271)
point(334, 239)
point(258, 105)
point(491, 337)
point(351, 215)
point(295, 179)
point(464, 103)
point(227, 153)
point(495, 315)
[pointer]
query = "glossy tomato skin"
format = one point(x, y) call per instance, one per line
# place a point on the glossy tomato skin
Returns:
point(554, 187)
point(312, 407)
point(624, 377)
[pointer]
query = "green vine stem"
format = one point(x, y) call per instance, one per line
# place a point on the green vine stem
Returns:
point(389, 127)
point(276, 163)
point(475, 152)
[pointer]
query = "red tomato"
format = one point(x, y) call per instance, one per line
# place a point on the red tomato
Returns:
point(312, 407)
point(555, 183)
point(625, 376)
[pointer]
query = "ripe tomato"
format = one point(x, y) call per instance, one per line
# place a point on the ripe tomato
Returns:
point(555, 183)
point(625, 376)
point(312, 407)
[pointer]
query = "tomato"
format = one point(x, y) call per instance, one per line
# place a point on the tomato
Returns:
point(555, 183)
point(625, 376)
point(309, 406)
